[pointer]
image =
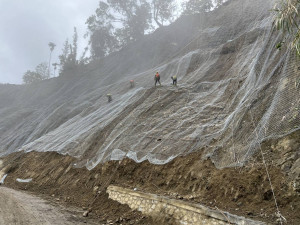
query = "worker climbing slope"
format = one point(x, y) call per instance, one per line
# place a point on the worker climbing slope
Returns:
point(132, 83)
point(109, 97)
point(174, 79)
point(157, 78)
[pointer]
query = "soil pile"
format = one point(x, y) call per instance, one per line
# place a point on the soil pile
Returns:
point(243, 191)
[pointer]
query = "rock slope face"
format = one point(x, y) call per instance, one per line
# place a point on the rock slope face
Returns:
point(234, 90)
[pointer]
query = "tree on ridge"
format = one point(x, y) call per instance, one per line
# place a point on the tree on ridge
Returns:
point(51, 46)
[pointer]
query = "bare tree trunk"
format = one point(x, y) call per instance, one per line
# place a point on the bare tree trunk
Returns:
point(49, 65)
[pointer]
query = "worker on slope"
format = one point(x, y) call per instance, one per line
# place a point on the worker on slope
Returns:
point(174, 79)
point(109, 97)
point(131, 83)
point(157, 78)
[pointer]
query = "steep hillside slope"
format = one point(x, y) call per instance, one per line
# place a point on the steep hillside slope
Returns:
point(226, 137)
point(232, 94)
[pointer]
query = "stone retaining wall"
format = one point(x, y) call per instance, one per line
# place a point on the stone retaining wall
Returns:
point(181, 211)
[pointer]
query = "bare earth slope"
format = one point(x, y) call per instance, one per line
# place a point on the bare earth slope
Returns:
point(237, 100)
point(243, 191)
point(232, 89)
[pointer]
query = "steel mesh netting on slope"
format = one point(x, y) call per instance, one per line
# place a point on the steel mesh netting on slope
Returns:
point(235, 90)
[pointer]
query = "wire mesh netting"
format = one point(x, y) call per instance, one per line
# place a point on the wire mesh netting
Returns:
point(235, 89)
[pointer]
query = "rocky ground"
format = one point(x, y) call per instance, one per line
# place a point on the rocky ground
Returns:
point(243, 191)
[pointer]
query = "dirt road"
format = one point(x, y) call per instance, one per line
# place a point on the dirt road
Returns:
point(19, 208)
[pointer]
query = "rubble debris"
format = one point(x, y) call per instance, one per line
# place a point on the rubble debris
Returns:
point(24, 180)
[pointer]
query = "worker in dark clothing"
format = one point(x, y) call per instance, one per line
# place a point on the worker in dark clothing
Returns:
point(157, 78)
point(174, 79)
point(131, 83)
point(109, 97)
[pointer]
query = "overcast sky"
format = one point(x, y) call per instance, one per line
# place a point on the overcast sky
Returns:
point(27, 26)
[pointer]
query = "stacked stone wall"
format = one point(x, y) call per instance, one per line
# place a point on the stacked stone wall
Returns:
point(183, 212)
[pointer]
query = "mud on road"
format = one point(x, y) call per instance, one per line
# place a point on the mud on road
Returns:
point(19, 208)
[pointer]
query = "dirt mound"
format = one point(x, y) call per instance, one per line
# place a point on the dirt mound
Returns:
point(243, 191)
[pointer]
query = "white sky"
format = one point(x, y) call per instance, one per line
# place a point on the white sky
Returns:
point(27, 26)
